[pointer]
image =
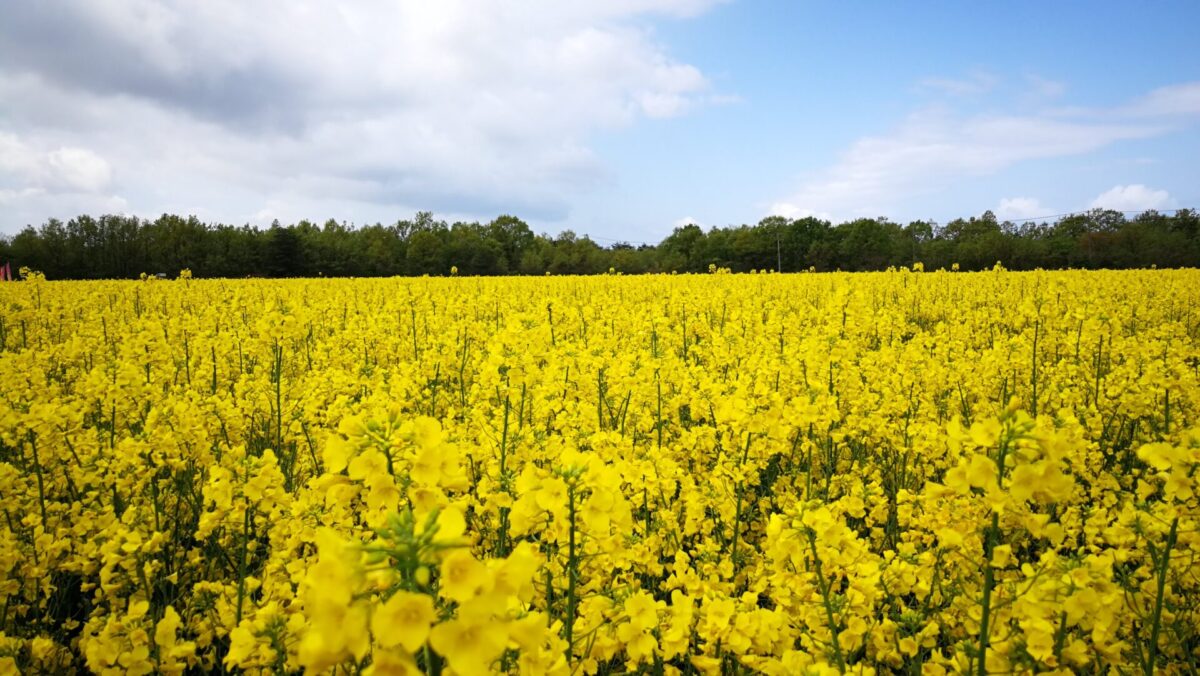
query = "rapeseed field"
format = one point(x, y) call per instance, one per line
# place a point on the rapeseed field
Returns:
point(899, 472)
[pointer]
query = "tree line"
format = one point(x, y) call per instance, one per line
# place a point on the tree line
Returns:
point(118, 246)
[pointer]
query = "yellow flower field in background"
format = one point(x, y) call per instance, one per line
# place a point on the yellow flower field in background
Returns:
point(902, 472)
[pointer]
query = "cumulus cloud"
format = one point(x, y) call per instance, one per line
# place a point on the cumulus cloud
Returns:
point(1136, 197)
point(686, 221)
point(79, 169)
point(372, 106)
point(1018, 208)
point(27, 169)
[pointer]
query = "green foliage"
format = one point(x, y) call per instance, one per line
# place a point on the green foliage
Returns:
point(114, 246)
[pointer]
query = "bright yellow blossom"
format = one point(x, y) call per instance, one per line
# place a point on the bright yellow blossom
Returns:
point(781, 474)
point(404, 619)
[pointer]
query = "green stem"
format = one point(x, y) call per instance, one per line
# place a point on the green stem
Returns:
point(658, 423)
point(823, 586)
point(502, 545)
point(430, 666)
point(241, 591)
point(572, 572)
point(1156, 621)
point(37, 468)
point(737, 518)
point(989, 544)
point(1037, 327)
point(1060, 637)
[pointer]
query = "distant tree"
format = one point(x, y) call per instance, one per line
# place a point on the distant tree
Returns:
point(426, 253)
point(118, 246)
point(513, 236)
point(536, 259)
point(283, 252)
point(684, 248)
point(916, 235)
point(868, 244)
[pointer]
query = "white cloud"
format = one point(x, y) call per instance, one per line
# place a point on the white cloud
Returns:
point(360, 108)
point(1018, 208)
point(1044, 87)
point(32, 206)
point(976, 82)
point(1173, 103)
point(80, 169)
point(1180, 99)
point(933, 149)
point(27, 168)
point(936, 148)
point(789, 210)
point(686, 221)
point(1136, 197)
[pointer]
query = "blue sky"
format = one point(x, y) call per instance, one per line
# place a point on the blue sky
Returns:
point(616, 119)
point(811, 80)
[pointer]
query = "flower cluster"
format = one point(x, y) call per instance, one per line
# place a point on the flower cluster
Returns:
point(783, 474)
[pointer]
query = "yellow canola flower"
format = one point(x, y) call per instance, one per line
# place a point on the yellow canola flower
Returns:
point(462, 576)
point(782, 474)
point(390, 663)
point(404, 620)
point(470, 645)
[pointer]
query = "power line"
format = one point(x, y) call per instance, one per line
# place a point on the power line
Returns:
point(1081, 213)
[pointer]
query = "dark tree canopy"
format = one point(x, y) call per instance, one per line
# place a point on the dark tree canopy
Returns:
point(113, 246)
